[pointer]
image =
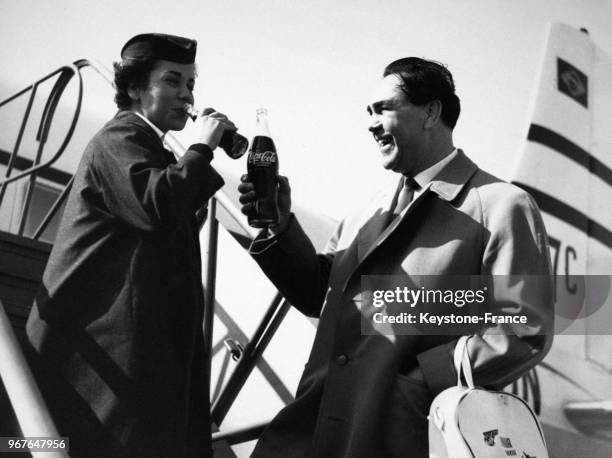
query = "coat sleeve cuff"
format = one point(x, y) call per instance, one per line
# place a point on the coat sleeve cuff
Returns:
point(438, 367)
point(204, 150)
point(265, 239)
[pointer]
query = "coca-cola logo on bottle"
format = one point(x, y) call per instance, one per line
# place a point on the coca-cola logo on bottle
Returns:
point(266, 157)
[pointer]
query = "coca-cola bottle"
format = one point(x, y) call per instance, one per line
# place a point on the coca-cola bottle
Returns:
point(262, 168)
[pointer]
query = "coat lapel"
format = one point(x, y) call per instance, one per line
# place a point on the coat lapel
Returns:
point(452, 178)
point(446, 185)
point(377, 220)
point(166, 155)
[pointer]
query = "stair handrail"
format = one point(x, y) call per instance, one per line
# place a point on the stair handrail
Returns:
point(66, 73)
point(28, 404)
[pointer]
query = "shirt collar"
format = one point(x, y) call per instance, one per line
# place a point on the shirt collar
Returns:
point(159, 133)
point(425, 177)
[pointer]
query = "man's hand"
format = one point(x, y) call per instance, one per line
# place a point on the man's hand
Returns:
point(212, 125)
point(248, 197)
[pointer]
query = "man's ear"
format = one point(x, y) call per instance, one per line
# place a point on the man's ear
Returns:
point(433, 111)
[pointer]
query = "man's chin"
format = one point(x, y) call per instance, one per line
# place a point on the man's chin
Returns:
point(393, 163)
point(389, 163)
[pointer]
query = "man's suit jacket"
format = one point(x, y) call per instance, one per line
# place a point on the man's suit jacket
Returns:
point(364, 396)
point(117, 324)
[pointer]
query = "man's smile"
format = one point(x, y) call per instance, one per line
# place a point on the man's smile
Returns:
point(385, 142)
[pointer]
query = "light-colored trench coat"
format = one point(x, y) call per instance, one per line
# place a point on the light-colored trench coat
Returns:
point(365, 396)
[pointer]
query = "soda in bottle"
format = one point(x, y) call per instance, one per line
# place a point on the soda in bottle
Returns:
point(262, 169)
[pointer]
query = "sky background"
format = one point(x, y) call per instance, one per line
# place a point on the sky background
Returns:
point(314, 64)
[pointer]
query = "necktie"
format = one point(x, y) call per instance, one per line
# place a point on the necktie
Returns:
point(405, 194)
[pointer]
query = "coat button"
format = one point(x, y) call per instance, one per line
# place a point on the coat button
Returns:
point(342, 360)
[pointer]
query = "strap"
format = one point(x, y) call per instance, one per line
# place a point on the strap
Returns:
point(459, 350)
point(462, 362)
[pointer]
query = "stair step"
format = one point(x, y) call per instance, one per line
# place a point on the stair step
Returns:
point(22, 263)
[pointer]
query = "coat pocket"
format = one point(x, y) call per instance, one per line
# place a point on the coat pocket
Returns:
point(405, 418)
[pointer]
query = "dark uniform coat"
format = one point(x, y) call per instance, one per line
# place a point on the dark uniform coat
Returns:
point(367, 396)
point(117, 324)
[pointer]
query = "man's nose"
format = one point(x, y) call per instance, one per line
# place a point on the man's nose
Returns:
point(375, 124)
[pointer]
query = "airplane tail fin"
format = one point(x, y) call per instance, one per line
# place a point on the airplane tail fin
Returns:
point(566, 161)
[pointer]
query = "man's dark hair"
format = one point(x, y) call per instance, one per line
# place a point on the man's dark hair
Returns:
point(423, 81)
point(132, 73)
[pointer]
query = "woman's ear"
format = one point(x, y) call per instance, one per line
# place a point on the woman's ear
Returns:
point(134, 93)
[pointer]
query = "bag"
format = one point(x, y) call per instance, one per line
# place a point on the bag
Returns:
point(468, 422)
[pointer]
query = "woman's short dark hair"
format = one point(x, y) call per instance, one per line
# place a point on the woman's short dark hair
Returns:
point(423, 81)
point(131, 74)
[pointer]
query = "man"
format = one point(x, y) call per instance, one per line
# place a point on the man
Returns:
point(368, 394)
point(117, 323)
